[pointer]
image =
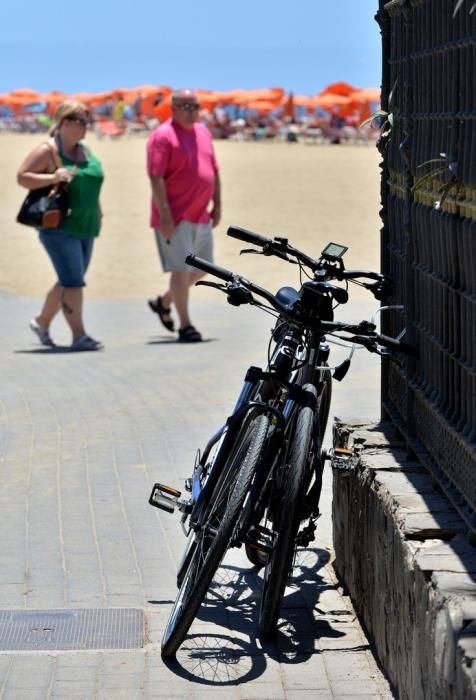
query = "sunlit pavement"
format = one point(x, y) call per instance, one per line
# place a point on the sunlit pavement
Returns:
point(83, 438)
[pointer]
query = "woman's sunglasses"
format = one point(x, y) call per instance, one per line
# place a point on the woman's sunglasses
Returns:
point(81, 121)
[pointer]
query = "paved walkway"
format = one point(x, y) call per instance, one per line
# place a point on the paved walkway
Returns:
point(82, 439)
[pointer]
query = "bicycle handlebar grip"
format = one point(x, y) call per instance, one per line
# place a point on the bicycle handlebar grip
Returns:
point(248, 236)
point(209, 267)
point(397, 345)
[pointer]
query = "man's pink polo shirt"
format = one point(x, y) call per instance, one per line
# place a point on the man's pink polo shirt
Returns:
point(186, 160)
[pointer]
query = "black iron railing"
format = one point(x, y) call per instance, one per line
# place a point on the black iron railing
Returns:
point(428, 238)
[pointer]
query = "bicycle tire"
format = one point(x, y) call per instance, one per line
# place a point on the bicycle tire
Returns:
point(293, 491)
point(223, 513)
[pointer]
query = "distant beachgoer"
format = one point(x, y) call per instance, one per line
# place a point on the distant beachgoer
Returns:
point(118, 111)
point(128, 114)
point(184, 178)
point(70, 247)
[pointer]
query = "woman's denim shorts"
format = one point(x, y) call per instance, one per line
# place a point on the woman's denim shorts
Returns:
point(70, 256)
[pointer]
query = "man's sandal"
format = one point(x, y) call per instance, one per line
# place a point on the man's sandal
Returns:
point(189, 334)
point(158, 308)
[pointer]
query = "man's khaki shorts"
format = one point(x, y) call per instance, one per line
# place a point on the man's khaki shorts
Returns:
point(187, 238)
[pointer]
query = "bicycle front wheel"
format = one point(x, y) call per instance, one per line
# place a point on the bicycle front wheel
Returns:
point(292, 501)
point(217, 530)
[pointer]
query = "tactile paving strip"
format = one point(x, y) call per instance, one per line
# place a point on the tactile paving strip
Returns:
point(106, 628)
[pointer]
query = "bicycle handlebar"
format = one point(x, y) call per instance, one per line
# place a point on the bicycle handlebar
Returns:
point(281, 248)
point(210, 268)
point(372, 341)
point(243, 234)
point(229, 276)
point(364, 332)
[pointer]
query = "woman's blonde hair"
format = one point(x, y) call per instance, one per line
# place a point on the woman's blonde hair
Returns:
point(68, 108)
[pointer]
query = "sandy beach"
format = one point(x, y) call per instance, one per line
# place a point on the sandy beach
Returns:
point(312, 194)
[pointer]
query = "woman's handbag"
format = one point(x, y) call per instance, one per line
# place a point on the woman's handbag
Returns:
point(46, 207)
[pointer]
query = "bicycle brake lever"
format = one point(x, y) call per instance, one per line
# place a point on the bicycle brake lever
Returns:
point(215, 285)
point(272, 249)
point(251, 250)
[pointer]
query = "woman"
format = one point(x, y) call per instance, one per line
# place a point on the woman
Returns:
point(70, 247)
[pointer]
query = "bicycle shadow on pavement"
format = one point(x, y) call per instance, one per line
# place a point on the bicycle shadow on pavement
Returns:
point(235, 654)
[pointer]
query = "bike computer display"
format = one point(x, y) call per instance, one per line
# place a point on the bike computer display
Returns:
point(333, 251)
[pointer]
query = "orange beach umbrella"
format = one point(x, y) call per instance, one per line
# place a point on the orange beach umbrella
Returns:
point(329, 101)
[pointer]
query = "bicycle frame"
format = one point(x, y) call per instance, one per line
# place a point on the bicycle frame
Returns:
point(275, 392)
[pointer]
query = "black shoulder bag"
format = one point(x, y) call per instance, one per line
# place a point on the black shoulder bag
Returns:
point(46, 207)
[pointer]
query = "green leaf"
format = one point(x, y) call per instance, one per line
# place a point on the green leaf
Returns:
point(433, 160)
point(448, 186)
point(375, 115)
point(429, 176)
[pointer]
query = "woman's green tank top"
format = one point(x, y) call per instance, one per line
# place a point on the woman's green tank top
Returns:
point(83, 220)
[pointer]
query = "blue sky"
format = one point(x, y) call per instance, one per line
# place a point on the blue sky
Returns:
point(95, 45)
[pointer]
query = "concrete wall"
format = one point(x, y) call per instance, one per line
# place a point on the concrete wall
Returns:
point(402, 552)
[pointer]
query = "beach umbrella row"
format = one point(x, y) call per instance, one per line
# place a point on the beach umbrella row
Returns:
point(155, 100)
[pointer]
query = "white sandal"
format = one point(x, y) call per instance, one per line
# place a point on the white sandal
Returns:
point(42, 332)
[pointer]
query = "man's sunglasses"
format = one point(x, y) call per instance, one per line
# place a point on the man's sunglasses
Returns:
point(78, 120)
point(188, 106)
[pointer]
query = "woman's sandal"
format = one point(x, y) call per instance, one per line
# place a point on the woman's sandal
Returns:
point(158, 308)
point(189, 334)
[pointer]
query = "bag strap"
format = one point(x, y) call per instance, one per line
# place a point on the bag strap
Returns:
point(57, 160)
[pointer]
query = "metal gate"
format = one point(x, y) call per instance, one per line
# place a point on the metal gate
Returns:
point(428, 238)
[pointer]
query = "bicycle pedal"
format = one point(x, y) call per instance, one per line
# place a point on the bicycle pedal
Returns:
point(343, 459)
point(261, 540)
point(164, 497)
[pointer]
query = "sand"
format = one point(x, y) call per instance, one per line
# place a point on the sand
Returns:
point(311, 194)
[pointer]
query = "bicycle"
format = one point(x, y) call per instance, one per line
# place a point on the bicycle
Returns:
point(266, 462)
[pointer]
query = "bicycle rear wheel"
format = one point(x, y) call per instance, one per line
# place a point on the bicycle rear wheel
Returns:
point(217, 530)
point(292, 501)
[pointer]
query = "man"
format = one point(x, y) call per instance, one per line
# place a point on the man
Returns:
point(184, 179)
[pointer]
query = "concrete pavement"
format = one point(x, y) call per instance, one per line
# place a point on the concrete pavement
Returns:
point(83, 436)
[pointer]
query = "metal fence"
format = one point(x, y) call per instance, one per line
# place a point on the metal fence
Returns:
point(428, 238)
